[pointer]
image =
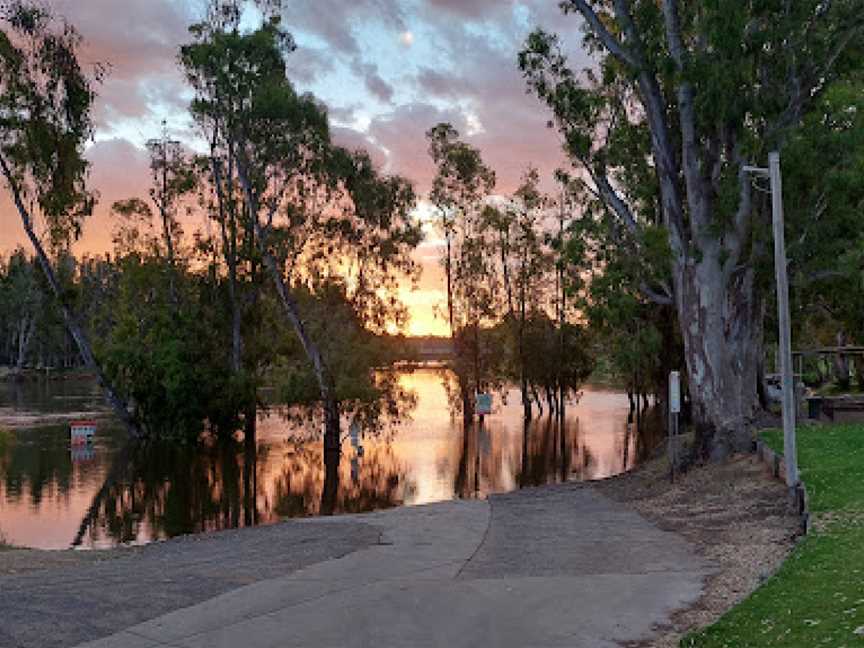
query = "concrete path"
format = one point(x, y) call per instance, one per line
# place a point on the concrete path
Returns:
point(62, 607)
point(547, 567)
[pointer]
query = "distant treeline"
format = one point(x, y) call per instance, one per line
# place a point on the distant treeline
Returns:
point(32, 333)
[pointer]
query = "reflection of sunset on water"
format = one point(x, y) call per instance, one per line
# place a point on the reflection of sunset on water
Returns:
point(47, 498)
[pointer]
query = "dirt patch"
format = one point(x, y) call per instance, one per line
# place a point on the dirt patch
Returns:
point(734, 513)
point(22, 561)
point(12, 419)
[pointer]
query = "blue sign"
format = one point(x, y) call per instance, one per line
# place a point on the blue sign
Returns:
point(484, 404)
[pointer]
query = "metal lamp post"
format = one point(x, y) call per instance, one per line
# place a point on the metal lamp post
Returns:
point(790, 451)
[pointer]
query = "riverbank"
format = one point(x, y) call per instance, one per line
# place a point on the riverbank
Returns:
point(734, 514)
point(817, 597)
point(11, 419)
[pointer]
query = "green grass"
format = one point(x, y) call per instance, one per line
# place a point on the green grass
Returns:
point(817, 597)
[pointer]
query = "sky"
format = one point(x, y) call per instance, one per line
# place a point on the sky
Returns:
point(388, 70)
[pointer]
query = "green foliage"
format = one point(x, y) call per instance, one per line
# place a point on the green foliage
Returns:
point(168, 360)
point(506, 277)
point(350, 349)
point(682, 96)
point(459, 191)
point(816, 598)
point(45, 102)
point(31, 327)
point(824, 200)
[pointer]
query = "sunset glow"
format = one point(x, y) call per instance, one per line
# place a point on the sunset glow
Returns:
point(455, 63)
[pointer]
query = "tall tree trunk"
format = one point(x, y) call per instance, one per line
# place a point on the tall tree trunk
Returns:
point(168, 236)
point(330, 492)
point(562, 313)
point(537, 398)
point(116, 401)
point(228, 229)
point(467, 399)
point(250, 424)
point(326, 384)
point(448, 269)
point(526, 397)
point(721, 323)
point(25, 333)
point(523, 362)
point(325, 381)
point(250, 482)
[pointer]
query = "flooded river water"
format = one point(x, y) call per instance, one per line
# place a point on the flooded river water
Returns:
point(54, 496)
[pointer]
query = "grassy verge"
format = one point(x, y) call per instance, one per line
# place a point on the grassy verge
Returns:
point(817, 596)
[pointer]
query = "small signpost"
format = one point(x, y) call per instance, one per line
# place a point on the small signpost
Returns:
point(484, 404)
point(674, 411)
point(81, 433)
point(354, 433)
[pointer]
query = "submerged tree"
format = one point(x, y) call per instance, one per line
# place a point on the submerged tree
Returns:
point(462, 184)
point(45, 120)
point(710, 87)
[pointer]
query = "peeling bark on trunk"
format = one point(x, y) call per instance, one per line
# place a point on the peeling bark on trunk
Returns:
point(721, 323)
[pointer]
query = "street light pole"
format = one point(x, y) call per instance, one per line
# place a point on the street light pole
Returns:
point(790, 452)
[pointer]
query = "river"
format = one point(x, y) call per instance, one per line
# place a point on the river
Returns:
point(53, 496)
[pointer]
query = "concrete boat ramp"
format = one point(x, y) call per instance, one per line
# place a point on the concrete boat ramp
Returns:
point(556, 566)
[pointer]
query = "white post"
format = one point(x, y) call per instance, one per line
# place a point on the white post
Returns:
point(674, 410)
point(790, 453)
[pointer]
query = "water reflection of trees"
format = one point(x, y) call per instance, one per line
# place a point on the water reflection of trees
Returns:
point(312, 483)
point(158, 491)
point(389, 407)
point(39, 465)
point(548, 450)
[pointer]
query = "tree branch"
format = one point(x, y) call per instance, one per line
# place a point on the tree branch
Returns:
point(612, 200)
point(689, 141)
point(662, 299)
point(615, 47)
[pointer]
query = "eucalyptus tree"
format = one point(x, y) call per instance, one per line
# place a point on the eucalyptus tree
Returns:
point(461, 186)
point(711, 87)
point(173, 178)
point(312, 213)
point(517, 229)
point(46, 100)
